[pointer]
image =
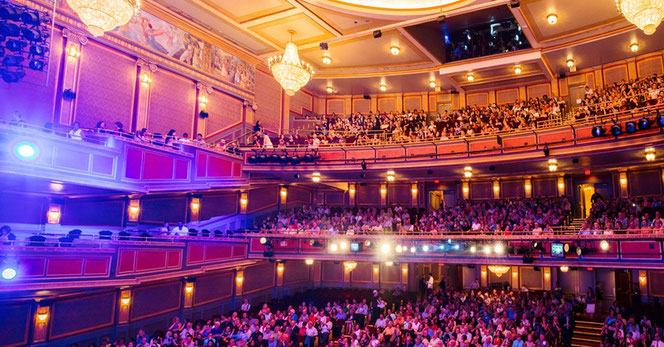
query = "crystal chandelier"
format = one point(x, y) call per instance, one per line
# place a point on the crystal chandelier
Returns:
point(499, 270)
point(289, 70)
point(104, 15)
point(645, 14)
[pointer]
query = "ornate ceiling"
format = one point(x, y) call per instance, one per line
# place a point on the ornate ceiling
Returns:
point(260, 27)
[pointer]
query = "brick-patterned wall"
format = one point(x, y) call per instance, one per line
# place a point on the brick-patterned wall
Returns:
point(224, 111)
point(301, 101)
point(172, 103)
point(268, 98)
point(106, 87)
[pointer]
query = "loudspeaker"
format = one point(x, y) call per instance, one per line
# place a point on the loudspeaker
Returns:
point(203, 114)
point(546, 151)
point(454, 91)
point(366, 96)
point(323, 46)
point(429, 172)
point(515, 3)
point(562, 75)
point(441, 19)
point(69, 94)
point(575, 160)
point(377, 34)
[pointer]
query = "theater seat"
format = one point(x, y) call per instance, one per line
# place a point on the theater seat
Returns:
point(105, 235)
point(123, 235)
point(75, 234)
point(66, 241)
point(37, 240)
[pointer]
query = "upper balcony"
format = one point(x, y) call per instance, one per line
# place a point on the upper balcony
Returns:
point(113, 163)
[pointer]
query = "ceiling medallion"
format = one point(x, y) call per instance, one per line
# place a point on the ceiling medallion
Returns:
point(291, 72)
point(102, 16)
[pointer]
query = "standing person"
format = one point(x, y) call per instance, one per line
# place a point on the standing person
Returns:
point(442, 285)
point(423, 287)
point(430, 284)
point(590, 302)
point(376, 311)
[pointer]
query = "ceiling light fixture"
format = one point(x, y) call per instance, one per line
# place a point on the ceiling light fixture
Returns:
point(552, 18)
point(470, 77)
point(468, 172)
point(650, 154)
point(432, 84)
point(645, 14)
point(315, 177)
point(102, 16)
point(327, 60)
point(291, 72)
point(634, 47)
point(390, 176)
point(517, 69)
point(570, 63)
point(395, 50)
point(553, 165)
point(329, 89)
point(383, 87)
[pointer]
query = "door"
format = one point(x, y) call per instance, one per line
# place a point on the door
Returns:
point(623, 287)
point(436, 199)
point(576, 92)
point(585, 192)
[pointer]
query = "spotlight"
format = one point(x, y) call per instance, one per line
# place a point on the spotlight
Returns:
point(343, 245)
point(30, 18)
point(36, 65)
point(499, 248)
point(385, 248)
point(383, 87)
point(630, 127)
point(616, 130)
point(425, 248)
point(26, 151)
point(517, 70)
point(399, 249)
point(12, 76)
point(467, 172)
point(9, 30)
point(604, 245)
point(263, 240)
point(8, 273)
point(470, 77)
point(644, 123)
point(12, 60)
point(10, 13)
point(333, 247)
point(31, 34)
point(367, 243)
point(598, 131)
point(413, 249)
point(487, 249)
point(473, 249)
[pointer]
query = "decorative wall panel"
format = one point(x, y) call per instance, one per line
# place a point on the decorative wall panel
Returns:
point(412, 103)
point(296, 271)
point(363, 273)
point(224, 111)
point(545, 187)
point(538, 90)
point(368, 194)
point(512, 189)
point(649, 66)
point(481, 190)
point(155, 299)
point(477, 99)
point(258, 277)
point(262, 198)
point(163, 209)
point(507, 96)
point(332, 272)
point(172, 103)
point(301, 101)
point(74, 316)
point(268, 98)
point(643, 183)
point(362, 105)
point(105, 92)
point(337, 106)
point(213, 288)
point(615, 74)
point(93, 212)
point(218, 205)
point(387, 104)
point(14, 324)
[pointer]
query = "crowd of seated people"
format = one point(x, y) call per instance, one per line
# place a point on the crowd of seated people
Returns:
point(444, 317)
point(620, 97)
point(622, 328)
point(622, 215)
point(536, 216)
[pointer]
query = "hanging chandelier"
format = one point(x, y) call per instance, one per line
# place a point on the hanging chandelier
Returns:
point(645, 14)
point(350, 266)
point(104, 15)
point(499, 270)
point(291, 72)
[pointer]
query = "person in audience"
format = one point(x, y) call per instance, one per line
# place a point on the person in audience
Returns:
point(171, 137)
point(165, 229)
point(76, 133)
point(6, 235)
point(181, 230)
point(119, 129)
point(184, 138)
point(100, 127)
point(199, 140)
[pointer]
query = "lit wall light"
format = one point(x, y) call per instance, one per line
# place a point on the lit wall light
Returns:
point(343, 245)
point(315, 177)
point(650, 154)
point(390, 176)
point(499, 248)
point(604, 245)
point(395, 50)
point(527, 186)
point(467, 172)
point(73, 53)
point(283, 192)
point(552, 18)
point(414, 190)
point(634, 47)
point(515, 274)
point(643, 279)
point(375, 268)
point(203, 101)
point(432, 84)
point(125, 301)
point(465, 189)
point(470, 77)
point(134, 210)
point(383, 87)
point(189, 288)
point(309, 261)
point(329, 89)
point(195, 204)
point(553, 165)
point(389, 263)
point(280, 267)
point(42, 317)
point(570, 63)
point(385, 248)
point(327, 60)
point(239, 279)
point(517, 69)
point(564, 268)
point(145, 79)
point(383, 191)
point(53, 214)
point(333, 247)
point(496, 186)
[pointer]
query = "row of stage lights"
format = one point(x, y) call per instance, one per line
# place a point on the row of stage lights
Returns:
point(284, 158)
point(24, 37)
point(630, 127)
point(387, 249)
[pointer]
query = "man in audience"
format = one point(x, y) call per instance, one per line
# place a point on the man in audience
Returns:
point(181, 230)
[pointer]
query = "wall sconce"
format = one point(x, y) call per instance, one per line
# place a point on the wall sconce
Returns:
point(496, 186)
point(515, 274)
point(145, 79)
point(239, 279)
point(283, 192)
point(134, 210)
point(351, 192)
point(553, 165)
point(42, 316)
point(125, 301)
point(650, 154)
point(203, 101)
point(189, 288)
point(244, 202)
point(404, 270)
point(643, 279)
point(413, 189)
point(623, 181)
point(527, 186)
point(53, 214)
point(73, 53)
point(467, 172)
point(309, 261)
point(390, 175)
point(195, 204)
point(547, 275)
point(483, 272)
point(315, 177)
point(383, 191)
point(280, 267)
point(375, 268)
point(389, 263)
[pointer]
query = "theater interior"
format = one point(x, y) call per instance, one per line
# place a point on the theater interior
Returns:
point(403, 173)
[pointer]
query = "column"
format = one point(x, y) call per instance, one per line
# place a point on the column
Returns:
point(125, 306)
point(145, 71)
point(66, 94)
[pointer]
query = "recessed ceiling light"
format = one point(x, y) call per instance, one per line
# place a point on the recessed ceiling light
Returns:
point(470, 77)
point(395, 50)
point(517, 69)
point(383, 87)
point(552, 18)
point(327, 60)
point(432, 84)
point(634, 46)
point(570, 62)
point(329, 89)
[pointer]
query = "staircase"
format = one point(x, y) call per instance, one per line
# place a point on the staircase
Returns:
point(575, 225)
point(587, 334)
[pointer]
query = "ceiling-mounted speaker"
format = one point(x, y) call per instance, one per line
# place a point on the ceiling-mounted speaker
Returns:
point(515, 3)
point(323, 46)
point(575, 160)
point(562, 75)
point(377, 34)
point(203, 114)
point(367, 96)
point(492, 168)
point(454, 91)
point(441, 19)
